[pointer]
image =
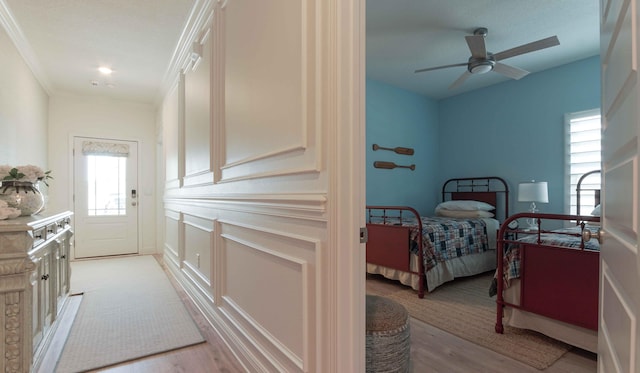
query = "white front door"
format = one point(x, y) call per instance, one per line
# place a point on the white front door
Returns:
point(105, 197)
point(619, 332)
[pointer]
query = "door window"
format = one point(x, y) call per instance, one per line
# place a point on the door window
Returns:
point(106, 185)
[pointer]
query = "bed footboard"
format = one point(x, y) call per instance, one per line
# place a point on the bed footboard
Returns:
point(557, 282)
point(388, 246)
point(389, 241)
point(561, 284)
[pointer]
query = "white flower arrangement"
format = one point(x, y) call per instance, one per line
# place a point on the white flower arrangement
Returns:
point(7, 212)
point(19, 190)
point(28, 173)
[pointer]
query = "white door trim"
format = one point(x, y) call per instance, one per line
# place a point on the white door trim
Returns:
point(71, 191)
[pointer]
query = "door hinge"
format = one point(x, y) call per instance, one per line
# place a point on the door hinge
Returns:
point(364, 235)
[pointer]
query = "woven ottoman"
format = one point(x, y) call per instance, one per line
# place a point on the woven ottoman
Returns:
point(388, 342)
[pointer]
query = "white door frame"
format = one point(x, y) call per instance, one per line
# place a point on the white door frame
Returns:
point(72, 191)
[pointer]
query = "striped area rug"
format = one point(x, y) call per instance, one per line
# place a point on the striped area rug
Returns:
point(129, 310)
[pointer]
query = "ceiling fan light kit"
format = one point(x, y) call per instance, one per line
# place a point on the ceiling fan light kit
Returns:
point(482, 62)
point(479, 66)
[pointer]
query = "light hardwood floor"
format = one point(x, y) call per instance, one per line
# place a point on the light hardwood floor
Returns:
point(432, 351)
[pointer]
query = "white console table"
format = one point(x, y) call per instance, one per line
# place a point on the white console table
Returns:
point(34, 285)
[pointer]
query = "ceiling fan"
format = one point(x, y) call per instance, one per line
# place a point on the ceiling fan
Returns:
point(482, 61)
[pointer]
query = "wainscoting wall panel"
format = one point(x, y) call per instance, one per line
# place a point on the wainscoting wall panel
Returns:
point(172, 244)
point(279, 269)
point(277, 83)
point(198, 250)
point(197, 113)
point(253, 222)
point(171, 138)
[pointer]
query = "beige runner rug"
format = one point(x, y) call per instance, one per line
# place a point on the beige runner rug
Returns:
point(129, 310)
point(463, 308)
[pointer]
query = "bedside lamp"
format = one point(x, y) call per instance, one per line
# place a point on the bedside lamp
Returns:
point(533, 191)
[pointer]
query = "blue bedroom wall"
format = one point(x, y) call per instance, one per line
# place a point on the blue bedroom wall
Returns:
point(396, 117)
point(515, 129)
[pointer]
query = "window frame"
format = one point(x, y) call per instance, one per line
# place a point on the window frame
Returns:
point(569, 188)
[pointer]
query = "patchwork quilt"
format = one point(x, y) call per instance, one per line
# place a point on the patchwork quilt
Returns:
point(446, 238)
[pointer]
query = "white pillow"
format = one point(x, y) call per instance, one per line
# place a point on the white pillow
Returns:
point(596, 211)
point(464, 214)
point(465, 205)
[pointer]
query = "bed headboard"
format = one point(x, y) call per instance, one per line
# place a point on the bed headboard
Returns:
point(491, 189)
point(580, 190)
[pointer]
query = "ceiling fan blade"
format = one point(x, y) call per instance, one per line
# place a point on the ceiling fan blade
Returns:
point(460, 79)
point(440, 67)
point(476, 46)
point(510, 71)
point(551, 41)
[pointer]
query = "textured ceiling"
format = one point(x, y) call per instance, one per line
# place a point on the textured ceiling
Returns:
point(405, 35)
point(65, 41)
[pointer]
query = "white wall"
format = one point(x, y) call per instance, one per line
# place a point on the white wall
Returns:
point(70, 116)
point(23, 110)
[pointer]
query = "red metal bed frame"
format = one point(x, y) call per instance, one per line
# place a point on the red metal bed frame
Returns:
point(388, 245)
point(557, 282)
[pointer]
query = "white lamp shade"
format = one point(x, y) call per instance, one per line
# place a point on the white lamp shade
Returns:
point(534, 191)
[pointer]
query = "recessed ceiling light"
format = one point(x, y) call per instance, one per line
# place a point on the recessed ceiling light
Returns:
point(105, 70)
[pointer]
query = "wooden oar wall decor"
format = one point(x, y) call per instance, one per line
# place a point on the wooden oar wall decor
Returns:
point(391, 165)
point(397, 150)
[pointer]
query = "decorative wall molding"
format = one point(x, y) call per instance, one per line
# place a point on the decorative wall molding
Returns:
point(198, 222)
point(199, 250)
point(201, 13)
point(286, 140)
point(204, 177)
point(297, 153)
point(294, 252)
point(200, 282)
point(8, 21)
point(299, 206)
point(172, 237)
point(267, 174)
point(172, 184)
point(196, 113)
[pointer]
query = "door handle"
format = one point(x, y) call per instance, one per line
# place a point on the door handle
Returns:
point(587, 235)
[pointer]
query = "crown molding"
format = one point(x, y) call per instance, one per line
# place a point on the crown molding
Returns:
point(10, 25)
point(198, 17)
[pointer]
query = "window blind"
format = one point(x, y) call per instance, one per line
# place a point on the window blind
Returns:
point(584, 131)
